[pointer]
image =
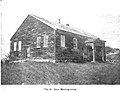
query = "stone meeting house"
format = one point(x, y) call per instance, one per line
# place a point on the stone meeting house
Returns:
point(38, 38)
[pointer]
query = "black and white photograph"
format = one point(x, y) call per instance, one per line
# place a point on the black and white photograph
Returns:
point(60, 42)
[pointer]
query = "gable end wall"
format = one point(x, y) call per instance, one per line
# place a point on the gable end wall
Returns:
point(29, 39)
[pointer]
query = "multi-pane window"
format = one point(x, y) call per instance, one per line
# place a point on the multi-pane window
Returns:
point(45, 44)
point(15, 46)
point(62, 41)
point(19, 45)
point(75, 43)
point(38, 42)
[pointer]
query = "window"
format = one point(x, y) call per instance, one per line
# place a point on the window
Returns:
point(19, 45)
point(15, 46)
point(62, 41)
point(74, 43)
point(45, 40)
point(38, 42)
point(28, 52)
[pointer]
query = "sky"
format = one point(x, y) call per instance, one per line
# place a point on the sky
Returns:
point(98, 17)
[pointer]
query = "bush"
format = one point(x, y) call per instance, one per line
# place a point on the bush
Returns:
point(6, 59)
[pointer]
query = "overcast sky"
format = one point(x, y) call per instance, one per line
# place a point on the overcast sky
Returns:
point(98, 17)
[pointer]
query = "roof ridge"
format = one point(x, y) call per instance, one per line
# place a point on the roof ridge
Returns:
point(56, 25)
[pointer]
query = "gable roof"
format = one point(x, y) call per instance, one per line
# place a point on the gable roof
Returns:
point(60, 26)
point(54, 25)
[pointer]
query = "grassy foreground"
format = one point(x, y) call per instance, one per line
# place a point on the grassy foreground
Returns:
point(60, 73)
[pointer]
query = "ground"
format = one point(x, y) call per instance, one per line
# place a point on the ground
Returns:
point(60, 73)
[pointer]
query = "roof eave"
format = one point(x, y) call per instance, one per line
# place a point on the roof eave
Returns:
point(50, 25)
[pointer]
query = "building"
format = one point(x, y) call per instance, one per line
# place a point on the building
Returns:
point(38, 38)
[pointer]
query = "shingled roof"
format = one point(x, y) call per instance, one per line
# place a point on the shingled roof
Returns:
point(60, 26)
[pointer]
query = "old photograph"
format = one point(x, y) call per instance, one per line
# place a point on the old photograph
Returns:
point(60, 42)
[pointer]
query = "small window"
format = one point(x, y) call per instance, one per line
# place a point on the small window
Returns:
point(45, 40)
point(19, 45)
point(28, 52)
point(15, 46)
point(38, 42)
point(62, 41)
point(75, 43)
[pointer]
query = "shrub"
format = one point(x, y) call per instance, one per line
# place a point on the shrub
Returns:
point(6, 59)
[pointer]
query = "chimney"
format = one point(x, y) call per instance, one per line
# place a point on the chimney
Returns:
point(59, 20)
point(67, 25)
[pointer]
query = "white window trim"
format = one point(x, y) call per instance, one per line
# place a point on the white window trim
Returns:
point(45, 43)
point(62, 40)
point(19, 45)
point(38, 42)
point(15, 46)
point(76, 46)
point(28, 52)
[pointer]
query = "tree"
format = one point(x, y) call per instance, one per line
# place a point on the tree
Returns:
point(108, 49)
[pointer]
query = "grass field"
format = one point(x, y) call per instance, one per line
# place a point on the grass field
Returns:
point(60, 73)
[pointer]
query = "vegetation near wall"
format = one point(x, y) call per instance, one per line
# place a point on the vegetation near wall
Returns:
point(62, 73)
point(112, 54)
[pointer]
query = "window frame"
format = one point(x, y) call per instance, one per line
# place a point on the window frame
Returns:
point(19, 45)
point(62, 40)
point(45, 40)
point(15, 46)
point(75, 43)
point(38, 42)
